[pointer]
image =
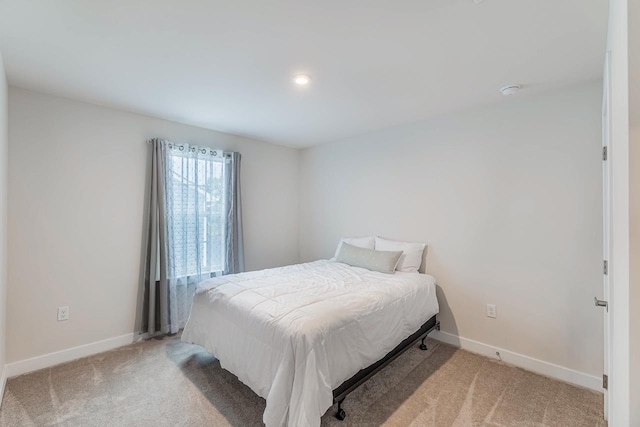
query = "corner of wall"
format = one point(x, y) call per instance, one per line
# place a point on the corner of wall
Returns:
point(300, 153)
point(634, 206)
point(4, 137)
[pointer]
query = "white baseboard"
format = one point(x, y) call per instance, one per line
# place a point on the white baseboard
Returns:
point(3, 382)
point(535, 365)
point(522, 361)
point(62, 356)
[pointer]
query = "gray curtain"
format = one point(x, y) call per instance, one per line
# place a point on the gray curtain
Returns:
point(155, 299)
point(166, 291)
point(234, 246)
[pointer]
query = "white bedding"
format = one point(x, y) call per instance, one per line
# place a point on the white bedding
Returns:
point(293, 334)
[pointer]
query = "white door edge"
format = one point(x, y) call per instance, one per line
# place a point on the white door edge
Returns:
point(606, 217)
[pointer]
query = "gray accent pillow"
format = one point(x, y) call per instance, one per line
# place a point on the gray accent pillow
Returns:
point(382, 261)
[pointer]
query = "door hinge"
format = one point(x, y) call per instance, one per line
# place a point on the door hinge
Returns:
point(605, 268)
point(604, 153)
point(605, 381)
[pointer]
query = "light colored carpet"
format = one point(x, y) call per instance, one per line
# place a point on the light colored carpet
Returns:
point(170, 383)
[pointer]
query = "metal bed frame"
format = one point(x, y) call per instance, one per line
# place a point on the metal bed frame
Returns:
point(341, 392)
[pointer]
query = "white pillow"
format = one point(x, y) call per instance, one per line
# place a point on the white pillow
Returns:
point(411, 258)
point(360, 242)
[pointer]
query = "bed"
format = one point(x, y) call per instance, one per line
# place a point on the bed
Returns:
point(304, 336)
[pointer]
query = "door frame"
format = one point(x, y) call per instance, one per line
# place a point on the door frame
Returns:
point(618, 158)
point(606, 222)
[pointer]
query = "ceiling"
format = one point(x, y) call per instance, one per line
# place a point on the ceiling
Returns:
point(228, 64)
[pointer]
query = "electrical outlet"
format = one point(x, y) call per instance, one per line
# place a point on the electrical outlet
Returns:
point(491, 311)
point(63, 313)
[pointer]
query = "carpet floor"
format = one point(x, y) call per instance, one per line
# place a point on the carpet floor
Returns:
point(170, 383)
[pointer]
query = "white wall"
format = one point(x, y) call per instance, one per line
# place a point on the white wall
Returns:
point(634, 255)
point(634, 210)
point(509, 200)
point(4, 142)
point(76, 200)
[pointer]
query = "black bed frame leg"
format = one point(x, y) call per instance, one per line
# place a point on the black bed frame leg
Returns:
point(341, 415)
point(423, 346)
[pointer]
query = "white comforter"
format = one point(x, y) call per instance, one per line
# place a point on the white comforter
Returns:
point(295, 333)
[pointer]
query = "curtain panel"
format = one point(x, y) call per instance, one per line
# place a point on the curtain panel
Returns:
point(234, 249)
point(194, 230)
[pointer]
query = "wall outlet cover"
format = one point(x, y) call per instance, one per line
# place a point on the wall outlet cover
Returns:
point(491, 311)
point(63, 313)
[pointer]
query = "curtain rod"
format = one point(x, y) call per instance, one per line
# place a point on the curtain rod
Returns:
point(225, 153)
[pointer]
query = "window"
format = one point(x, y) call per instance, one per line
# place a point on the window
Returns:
point(195, 211)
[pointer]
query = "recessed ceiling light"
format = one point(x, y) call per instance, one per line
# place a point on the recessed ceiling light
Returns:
point(510, 90)
point(301, 79)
